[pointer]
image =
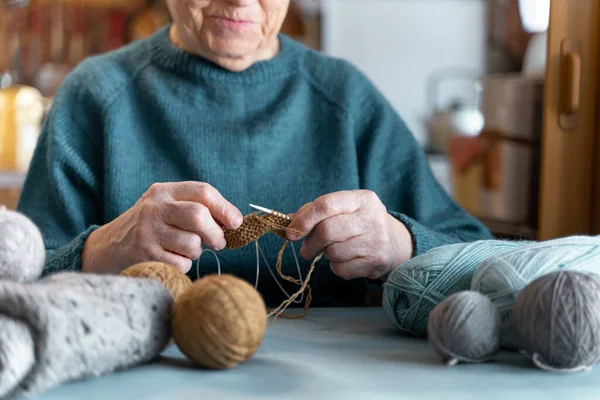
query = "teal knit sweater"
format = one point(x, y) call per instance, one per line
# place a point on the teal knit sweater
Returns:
point(279, 134)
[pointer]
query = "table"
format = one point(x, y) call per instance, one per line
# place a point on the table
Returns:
point(337, 354)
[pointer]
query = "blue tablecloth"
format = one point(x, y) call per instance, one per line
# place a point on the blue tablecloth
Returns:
point(341, 354)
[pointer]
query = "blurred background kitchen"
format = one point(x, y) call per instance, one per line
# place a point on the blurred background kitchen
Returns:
point(466, 75)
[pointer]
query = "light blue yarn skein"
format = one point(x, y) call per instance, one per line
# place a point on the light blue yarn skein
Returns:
point(502, 277)
point(414, 288)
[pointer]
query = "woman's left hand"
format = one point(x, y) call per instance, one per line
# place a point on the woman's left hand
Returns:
point(356, 233)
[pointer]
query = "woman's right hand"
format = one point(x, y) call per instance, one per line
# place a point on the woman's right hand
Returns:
point(168, 223)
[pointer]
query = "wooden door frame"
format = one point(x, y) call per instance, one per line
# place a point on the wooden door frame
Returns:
point(567, 181)
point(596, 198)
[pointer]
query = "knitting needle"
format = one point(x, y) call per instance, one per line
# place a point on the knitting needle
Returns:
point(272, 212)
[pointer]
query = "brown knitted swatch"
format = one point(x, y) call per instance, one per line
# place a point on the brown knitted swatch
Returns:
point(253, 227)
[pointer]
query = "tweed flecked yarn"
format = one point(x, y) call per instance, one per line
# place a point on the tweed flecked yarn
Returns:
point(502, 277)
point(169, 276)
point(219, 321)
point(22, 250)
point(76, 326)
point(414, 288)
point(557, 318)
point(465, 327)
point(16, 343)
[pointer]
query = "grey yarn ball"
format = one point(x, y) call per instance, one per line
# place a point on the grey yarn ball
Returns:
point(557, 318)
point(465, 327)
point(502, 277)
point(22, 250)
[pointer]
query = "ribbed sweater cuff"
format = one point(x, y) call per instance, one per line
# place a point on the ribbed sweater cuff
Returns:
point(68, 257)
point(423, 238)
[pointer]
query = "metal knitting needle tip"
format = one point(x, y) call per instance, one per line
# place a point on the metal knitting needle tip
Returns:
point(263, 209)
point(272, 212)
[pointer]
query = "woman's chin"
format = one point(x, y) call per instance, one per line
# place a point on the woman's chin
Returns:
point(233, 48)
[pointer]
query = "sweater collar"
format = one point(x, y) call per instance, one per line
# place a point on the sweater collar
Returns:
point(172, 57)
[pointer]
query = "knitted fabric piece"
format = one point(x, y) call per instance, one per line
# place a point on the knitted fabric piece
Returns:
point(253, 227)
point(77, 326)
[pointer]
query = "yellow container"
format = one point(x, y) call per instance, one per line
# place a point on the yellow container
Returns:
point(466, 187)
point(21, 114)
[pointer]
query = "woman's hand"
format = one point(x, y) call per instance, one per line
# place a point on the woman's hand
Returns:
point(355, 231)
point(168, 223)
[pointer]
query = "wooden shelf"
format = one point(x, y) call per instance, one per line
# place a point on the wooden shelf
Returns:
point(507, 230)
point(111, 4)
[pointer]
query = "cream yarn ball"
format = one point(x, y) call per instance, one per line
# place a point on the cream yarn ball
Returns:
point(22, 250)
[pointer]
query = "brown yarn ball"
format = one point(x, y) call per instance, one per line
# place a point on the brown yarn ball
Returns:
point(219, 322)
point(173, 279)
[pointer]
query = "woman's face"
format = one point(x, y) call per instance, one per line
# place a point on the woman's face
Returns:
point(233, 33)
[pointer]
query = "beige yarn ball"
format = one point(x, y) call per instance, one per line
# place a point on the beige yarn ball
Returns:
point(173, 279)
point(219, 322)
point(22, 250)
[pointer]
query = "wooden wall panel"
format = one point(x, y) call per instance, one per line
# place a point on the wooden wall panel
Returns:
point(568, 147)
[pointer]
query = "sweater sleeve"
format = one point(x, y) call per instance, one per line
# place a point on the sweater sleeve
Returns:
point(61, 190)
point(393, 165)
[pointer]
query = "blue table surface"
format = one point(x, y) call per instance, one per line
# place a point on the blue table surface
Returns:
point(337, 354)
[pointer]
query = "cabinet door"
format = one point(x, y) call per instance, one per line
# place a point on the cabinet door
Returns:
point(570, 120)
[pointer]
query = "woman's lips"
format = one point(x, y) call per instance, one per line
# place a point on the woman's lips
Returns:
point(232, 24)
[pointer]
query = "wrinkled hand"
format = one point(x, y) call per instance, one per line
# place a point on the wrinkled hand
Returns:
point(168, 223)
point(355, 231)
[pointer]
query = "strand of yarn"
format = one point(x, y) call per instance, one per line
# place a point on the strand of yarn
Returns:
point(418, 285)
point(278, 312)
point(259, 253)
point(503, 276)
point(255, 226)
point(537, 360)
point(259, 249)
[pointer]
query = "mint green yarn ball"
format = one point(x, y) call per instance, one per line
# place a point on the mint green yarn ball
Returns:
point(502, 277)
point(414, 288)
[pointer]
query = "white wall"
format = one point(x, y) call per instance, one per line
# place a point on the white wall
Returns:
point(398, 43)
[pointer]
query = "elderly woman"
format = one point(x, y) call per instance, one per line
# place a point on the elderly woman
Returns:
point(150, 150)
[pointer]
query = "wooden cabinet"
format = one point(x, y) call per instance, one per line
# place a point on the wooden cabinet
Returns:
point(570, 165)
point(10, 189)
point(10, 197)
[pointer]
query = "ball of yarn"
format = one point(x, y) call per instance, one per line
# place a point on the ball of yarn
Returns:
point(502, 277)
point(557, 318)
point(22, 250)
point(465, 327)
point(414, 288)
point(173, 279)
point(219, 322)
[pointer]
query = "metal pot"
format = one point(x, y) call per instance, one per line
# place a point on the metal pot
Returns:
point(460, 118)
